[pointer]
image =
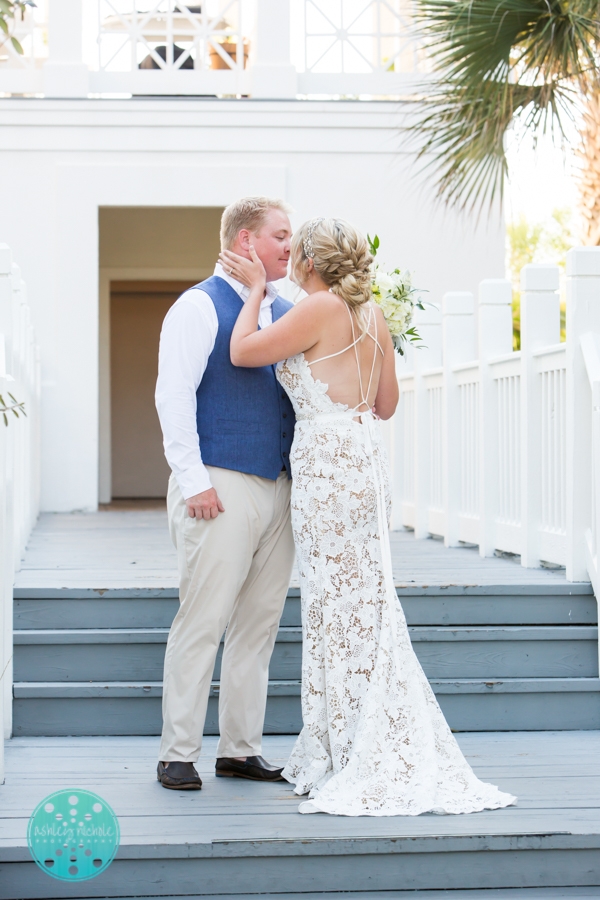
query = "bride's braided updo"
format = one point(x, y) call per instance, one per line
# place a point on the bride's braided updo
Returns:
point(340, 255)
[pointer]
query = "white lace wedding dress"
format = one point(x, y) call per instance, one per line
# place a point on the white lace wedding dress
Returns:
point(374, 741)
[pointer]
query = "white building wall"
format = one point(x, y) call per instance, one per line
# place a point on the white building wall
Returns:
point(67, 158)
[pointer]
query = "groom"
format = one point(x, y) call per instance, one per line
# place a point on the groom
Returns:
point(227, 437)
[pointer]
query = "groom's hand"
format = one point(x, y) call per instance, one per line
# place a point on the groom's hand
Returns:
point(205, 505)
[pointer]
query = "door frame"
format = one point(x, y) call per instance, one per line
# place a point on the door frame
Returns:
point(106, 276)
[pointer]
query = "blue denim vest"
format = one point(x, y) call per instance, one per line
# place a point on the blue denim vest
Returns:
point(245, 418)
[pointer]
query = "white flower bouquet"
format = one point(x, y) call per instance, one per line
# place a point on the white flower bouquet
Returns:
point(395, 295)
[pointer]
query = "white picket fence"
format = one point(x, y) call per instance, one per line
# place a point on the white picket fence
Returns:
point(19, 456)
point(501, 448)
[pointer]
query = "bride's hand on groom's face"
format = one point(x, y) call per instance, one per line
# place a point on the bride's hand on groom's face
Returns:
point(250, 272)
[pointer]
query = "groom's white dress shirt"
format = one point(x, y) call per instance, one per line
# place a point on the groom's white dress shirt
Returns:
point(186, 341)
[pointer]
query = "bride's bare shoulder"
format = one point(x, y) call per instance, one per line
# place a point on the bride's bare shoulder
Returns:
point(321, 300)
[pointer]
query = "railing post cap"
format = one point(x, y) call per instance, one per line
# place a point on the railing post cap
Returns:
point(458, 303)
point(495, 291)
point(428, 316)
point(5, 259)
point(539, 277)
point(583, 261)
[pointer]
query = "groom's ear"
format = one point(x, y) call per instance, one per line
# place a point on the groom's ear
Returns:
point(244, 239)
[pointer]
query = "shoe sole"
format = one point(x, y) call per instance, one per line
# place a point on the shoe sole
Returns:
point(248, 777)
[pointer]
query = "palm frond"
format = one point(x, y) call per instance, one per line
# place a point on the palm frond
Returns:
point(494, 60)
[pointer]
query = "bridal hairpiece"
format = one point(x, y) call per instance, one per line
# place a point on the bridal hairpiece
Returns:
point(307, 242)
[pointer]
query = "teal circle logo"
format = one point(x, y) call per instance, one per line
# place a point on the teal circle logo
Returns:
point(73, 835)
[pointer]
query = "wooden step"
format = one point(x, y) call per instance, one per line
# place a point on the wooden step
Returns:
point(119, 654)
point(134, 708)
point(244, 838)
point(504, 604)
point(532, 893)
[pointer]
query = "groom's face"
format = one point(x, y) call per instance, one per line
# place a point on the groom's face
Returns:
point(273, 244)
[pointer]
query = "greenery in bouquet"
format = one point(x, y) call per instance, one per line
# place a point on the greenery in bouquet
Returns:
point(397, 298)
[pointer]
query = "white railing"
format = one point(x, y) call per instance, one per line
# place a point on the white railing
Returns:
point(502, 448)
point(257, 48)
point(19, 455)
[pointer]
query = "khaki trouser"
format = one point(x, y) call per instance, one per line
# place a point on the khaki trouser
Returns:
point(234, 572)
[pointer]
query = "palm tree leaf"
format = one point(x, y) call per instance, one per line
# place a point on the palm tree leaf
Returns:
point(494, 60)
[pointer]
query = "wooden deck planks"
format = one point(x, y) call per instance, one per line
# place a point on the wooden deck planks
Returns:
point(128, 549)
point(552, 798)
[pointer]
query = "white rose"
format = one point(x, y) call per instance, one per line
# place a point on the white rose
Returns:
point(384, 282)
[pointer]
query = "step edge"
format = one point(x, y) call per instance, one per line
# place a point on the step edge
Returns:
point(403, 588)
point(342, 846)
point(111, 689)
point(293, 634)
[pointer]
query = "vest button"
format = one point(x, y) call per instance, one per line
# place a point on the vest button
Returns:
point(284, 434)
point(284, 415)
point(284, 453)
point(283, 396)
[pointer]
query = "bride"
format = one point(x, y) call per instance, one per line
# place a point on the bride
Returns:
point(374, 741)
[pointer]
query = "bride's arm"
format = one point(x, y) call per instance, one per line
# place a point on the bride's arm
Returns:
point(296, 331)
point(387, 391)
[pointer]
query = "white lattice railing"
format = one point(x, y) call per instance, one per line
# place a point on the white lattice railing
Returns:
point(502, 448)
point(259, 48)
point(19, 454)
point(356, 46)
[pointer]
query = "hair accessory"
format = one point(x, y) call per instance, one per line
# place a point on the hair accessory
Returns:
point(307, 242)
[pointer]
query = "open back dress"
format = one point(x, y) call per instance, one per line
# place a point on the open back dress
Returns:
point(374, 740)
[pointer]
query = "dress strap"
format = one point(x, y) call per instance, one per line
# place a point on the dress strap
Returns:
point(349, 347)
point(363, 399)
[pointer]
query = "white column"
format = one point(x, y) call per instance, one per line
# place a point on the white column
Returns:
point(495, 339)
point(540, 327)
point(458, 346)
point(583, 316)
point(429, 325)
point(272, 75)
point(65, 74)
point(7, 436)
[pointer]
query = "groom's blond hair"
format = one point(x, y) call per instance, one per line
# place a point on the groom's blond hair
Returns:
point(250, 213)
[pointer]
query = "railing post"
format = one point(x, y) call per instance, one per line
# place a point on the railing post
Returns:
point(458, 346)
point(6, 497)
point(540, 327)
point(583, 315)
point(429, 325)
point(65, 73)
point(272, 74)
point(495, 339)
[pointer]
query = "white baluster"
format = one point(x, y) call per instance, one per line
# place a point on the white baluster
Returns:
point(65, 73)
point(540, 327)
point(458, 340)
point(429, 325)
point(495, 339)
point(583, 317)
point(272, 74)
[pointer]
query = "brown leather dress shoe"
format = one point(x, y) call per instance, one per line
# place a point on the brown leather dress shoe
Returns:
point(255, 768)
point(179, 776)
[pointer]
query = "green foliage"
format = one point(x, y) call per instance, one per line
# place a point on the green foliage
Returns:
point(494, 60)
point(15, 408)
point(373, 245)
point(9, 9)
point(537, 242)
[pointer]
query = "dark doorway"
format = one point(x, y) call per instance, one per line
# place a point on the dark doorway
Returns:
point(137, 310)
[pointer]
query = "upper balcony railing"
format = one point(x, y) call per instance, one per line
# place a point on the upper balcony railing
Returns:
point(257, 48)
